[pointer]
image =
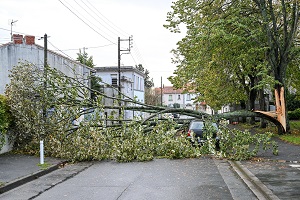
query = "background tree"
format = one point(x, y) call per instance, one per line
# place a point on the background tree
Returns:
point(222, 55)
point(148, 81)
point(248, 41)
point(150, 97)
point(280, 23)
point(83, 58)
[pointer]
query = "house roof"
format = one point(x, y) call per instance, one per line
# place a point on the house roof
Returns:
point(122, 69)
point(49, 51)
point(168, 90)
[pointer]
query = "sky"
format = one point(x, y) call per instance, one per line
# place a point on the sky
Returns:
point(94, 26)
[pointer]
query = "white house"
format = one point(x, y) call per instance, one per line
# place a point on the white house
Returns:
point(171, 96)
point(132, 86)
point(24, 49)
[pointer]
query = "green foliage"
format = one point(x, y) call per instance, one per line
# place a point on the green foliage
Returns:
point(224, 59)
point(22, 94)
point(5, 119)
point(232, 48)
point(148, 83)
point(68, 98)
point(5, 115)
point(44, 166)
point(37, 110)
point(292, 101)
point(124, 144)
point(294, 115)
point(242, 145)
point(85, 59)
point(293, 139)
point(176, 105)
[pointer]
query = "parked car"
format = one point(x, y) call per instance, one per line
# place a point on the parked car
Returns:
point(176, 115)
point(167, 116)
point(196, 132)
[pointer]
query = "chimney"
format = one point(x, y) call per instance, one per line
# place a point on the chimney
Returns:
point(18, 39)
point(29, 39)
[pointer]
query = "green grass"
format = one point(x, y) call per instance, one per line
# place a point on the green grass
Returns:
point(44, 166)
point(293, 137)
point(295, 125)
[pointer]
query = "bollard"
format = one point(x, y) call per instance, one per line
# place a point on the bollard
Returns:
point(41, 152)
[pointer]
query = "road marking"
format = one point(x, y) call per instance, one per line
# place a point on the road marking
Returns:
point(296, 166)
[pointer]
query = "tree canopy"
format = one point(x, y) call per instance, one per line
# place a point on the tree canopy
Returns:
point(234, 47)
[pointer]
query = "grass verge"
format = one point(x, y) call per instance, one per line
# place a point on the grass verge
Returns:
point(292, 137)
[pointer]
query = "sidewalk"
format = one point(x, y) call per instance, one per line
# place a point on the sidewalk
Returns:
point(276, 175)
point(16, 170)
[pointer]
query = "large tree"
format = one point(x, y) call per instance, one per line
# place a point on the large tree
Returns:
point(232, 48)
point(280, 22)
point(222, 55)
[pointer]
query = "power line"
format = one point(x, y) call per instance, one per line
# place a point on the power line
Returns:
point(19, 32)
point(87, 19)
point(88, 47)
point(113, 25)
point(95, 17)
point(86, 23)
point(60, 50)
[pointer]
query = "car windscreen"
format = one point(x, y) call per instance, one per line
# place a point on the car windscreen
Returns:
point(197, 125)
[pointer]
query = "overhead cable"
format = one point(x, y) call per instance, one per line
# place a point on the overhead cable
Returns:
point(86, 23)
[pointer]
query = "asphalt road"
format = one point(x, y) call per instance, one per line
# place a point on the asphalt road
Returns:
point(203, 178)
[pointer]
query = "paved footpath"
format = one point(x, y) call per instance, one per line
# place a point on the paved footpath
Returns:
point(17, 169)
point(281, 173)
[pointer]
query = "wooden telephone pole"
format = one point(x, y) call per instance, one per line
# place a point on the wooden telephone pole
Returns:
point(127, 51)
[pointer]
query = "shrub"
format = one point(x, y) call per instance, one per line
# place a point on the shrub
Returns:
point(5, 119)
point(5, 115)
point(294, 115)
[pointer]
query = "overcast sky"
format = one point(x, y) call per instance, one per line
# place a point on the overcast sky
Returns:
point(96, 25)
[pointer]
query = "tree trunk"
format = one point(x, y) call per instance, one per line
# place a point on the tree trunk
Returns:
point(262, 105)
point(280, 107)
point(252, 97)
point(243, 107)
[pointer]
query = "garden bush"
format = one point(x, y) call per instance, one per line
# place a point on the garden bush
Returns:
point(5, 119)
point(294, 115)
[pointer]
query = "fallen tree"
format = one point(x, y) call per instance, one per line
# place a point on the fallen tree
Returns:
point(66, 99)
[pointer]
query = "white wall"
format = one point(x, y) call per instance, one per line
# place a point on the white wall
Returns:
point(7, 146)
point(132, 84)
point(11, 54)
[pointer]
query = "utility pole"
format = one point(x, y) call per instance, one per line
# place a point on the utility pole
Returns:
point(43, 100)
point(127, 51)
point(161, 91)
point(11, 25)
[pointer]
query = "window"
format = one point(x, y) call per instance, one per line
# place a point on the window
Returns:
point(170, 97)
point(114, 80)
point(188, 97)
point(179, 97)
